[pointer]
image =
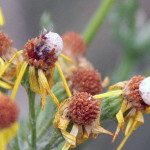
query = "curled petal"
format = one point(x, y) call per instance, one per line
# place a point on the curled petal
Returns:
point(9, 62)
point(1, 18)
point(147, 110)
point(33, 80)
point(46, 86)
point(66, 58)
point(119, 85)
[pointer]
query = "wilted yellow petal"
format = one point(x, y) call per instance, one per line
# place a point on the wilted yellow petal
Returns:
point(105, 82)
point(112, 93)
point(2, 63)
point(71, 138)
point(50, 80)
point(147, 110)
point(9, 62)
point(137, 121)
point(46, 86)
point(129, 125)
point(64, 80)
point(67, 58)
point(5, 85)
point(7, 134)
point(119, 85)
point(1, 18)
point(18, 80)
point(33, 80)
point(99, 129)
point(43, 92)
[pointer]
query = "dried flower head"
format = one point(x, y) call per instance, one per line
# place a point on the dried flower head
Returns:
point(74, 45)
point(83, 108)
point(42, 52)
point(132, 93)
point(86, 80)
point(9, 111)
point(5, 43)
point(135, 101)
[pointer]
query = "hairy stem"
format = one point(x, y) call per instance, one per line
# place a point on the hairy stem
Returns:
point(96, 21)
point(32, 118)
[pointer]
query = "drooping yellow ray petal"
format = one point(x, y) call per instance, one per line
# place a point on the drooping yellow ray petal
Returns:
point(112, 93)
point(105, 82)
point(127, 136)
point(73, 132)
point(46, 86)
point(9, 62)
point(33, 80)
point(147, 110)
point(64, 80)
point(1, 18)
point(50, 80)
point(129, 125)
point(139, 119)
point(67, 58)
point(18, 80)
point(5, 85)
point(2, 63)
point(43, 92)
point(120, 118)
point(7, 134)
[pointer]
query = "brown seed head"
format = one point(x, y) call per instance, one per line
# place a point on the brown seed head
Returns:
point(87, 80)
point(42, 51)
point(74, 44)
point(132, 94)
point(83, 109)
point(9, 111)
point(5, 43)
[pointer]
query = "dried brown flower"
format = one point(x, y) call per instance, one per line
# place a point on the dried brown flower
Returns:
point(9, 111)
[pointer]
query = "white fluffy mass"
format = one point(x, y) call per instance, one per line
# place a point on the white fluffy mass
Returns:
point(144, 89)
point(54, 41)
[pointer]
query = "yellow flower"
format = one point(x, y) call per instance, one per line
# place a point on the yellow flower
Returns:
point(83, 110)
point(8, 116)
point(136, 100)
point(40, 54)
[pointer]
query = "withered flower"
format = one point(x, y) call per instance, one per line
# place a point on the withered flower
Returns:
point(83, 111)
point(87, 80)
point(8, 116)
point(40, 54)
point(74, 45)
point(136, 100)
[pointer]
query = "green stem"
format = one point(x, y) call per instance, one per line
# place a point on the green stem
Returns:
point(32, 118)
point(96, 21)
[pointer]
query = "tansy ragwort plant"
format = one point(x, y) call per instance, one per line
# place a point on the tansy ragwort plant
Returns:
point(77, 115)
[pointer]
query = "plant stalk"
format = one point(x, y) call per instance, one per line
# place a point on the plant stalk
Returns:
point(96, 21)
point(32, 118)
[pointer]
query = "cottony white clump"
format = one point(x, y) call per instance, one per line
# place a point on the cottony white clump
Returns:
point(54, 41)
point(144, 89)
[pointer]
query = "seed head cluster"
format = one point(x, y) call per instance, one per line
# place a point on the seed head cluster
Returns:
point(87, 80)
point(83, 108)
point(9, 111)
point(73, 44)
point(132, 93)
point(5, 43)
